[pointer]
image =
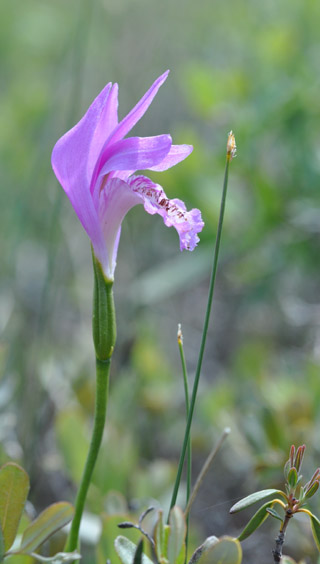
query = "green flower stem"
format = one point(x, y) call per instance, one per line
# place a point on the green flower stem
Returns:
point(102, 382)
point(104, 337)
point(204, 333)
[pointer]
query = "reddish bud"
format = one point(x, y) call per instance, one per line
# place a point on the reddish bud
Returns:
point(299, 457)
point(291, 455)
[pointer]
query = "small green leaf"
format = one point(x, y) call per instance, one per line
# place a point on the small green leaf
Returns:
point(159, 539)
point(226, 550)
point(292, 477)
point(256, 521)
point(312, 490)
point(48, 522)
point(177, 535)
point(286, 469)
point(274, 514)
point(138, 553)
point(14, 488)
point(315, 526)
point(208, 543)
point(253, 498)
point(126, 551)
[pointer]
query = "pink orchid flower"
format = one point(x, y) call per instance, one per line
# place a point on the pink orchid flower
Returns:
point(95, 164)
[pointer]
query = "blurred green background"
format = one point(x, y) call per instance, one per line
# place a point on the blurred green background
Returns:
point(245, 65)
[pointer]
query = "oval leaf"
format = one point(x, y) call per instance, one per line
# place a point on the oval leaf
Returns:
point(14, 488)
point(126, 551)
point(208, 543)
point(292, 477)
point(177, 535)
point(253, 498)
point(256, 521)
point(315, 526)
point(226, 550)
point(312, 490)
point(48, 522)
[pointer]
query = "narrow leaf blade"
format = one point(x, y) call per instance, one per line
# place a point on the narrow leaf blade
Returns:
point(48, 522)
point(253, 498)
point(14, 488)
point(138, 553)
point(259, 517)
point(274, 514)
point(159, 538)
point(315, 526)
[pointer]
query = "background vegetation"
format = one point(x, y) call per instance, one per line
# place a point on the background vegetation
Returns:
point(244, 65)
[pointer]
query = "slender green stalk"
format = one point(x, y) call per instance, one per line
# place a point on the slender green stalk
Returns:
point(102, 383)
point(230, 154)
point(187, 402)
point(104, 337)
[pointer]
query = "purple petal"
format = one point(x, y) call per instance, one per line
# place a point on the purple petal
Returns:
point(107, 122)
point(137, 112)
point(115, 200)
point(176, 154)
point(70, 161)
point(83, 205)
point(75, 154)
point(133, 153)
point(173, 212)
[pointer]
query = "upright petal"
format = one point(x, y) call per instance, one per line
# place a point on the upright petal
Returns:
point(70, 156)
point(137, 112)
point(107, 122)
point(74, 156)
